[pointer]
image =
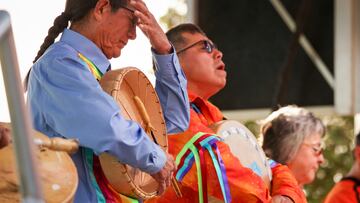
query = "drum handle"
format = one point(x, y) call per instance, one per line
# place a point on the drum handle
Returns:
point(149, 130)
point(58, 144)
point(144, 115)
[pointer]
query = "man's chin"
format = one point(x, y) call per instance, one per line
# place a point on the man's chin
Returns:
point(220, 86)
point(117, 54)
point(223, 83)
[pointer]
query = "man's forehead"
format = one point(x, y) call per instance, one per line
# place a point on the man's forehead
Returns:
point(194, 37)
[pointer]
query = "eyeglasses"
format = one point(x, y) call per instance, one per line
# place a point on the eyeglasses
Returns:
point(207, 46)
point(318, 150)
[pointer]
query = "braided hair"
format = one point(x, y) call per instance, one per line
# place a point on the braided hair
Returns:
point(75, 10)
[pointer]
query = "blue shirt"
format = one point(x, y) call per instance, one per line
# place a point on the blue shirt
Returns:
point(66, 100)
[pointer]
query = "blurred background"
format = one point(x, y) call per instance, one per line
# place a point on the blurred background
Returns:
point(277, 52)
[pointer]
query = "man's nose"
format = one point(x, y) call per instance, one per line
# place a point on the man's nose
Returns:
point(218, 54)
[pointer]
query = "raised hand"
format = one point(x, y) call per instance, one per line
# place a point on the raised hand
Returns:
point(150, 27)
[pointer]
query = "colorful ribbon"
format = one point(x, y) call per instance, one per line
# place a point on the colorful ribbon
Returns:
point(104, 191)
point(194, 151)
point(92, 67)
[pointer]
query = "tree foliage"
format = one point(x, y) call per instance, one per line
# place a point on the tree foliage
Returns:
point(176, 14)
point(172, 18)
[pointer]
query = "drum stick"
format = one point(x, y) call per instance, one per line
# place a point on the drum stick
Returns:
point(176, 187)
point(146, 118)
point(58, 144)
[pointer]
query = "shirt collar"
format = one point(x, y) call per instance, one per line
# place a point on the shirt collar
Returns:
point(86, 47)
point(211, 112)
point(192, 96)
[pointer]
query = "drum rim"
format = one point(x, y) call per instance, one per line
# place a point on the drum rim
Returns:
point(120, 78)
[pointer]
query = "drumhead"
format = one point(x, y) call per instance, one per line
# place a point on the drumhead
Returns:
point(243, 144)
point(123, 85)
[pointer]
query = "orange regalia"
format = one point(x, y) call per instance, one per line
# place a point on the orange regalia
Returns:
point(346, 190)
point(208, 171)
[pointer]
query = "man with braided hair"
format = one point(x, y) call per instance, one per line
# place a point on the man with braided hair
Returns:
point(218, 176)
point(347, 190)
point(66, 99)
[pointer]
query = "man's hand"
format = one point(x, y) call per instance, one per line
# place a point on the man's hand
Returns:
point(281, 199)
point(150, 27)
point(4, 136)
point(163, 177)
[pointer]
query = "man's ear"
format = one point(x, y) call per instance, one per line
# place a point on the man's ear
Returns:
point(101, 8)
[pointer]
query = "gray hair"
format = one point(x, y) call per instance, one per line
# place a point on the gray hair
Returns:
point(284, 130)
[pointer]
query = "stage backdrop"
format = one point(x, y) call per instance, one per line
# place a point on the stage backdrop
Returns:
point(257, 44)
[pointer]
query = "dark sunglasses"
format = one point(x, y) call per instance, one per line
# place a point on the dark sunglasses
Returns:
point(207, 46)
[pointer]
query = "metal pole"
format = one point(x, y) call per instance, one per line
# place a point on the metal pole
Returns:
point(356, 64)
point(305, 43)
point(21, 127)
point(192, 15)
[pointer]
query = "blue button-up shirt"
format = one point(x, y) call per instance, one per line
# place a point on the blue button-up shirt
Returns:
point(65, 100)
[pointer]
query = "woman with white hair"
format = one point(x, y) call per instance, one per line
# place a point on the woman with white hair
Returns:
point(293, 136)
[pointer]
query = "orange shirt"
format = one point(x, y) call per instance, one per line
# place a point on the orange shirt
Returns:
point(245, 185)
point(345, 191)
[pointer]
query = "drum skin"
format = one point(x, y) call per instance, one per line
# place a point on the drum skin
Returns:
point(245, 147)
point(56, 170)
point(123, 85)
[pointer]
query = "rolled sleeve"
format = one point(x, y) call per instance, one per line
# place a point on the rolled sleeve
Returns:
point(171, 87)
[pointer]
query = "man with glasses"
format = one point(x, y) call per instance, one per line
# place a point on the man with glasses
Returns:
point(207, 170)
point(347, 190)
